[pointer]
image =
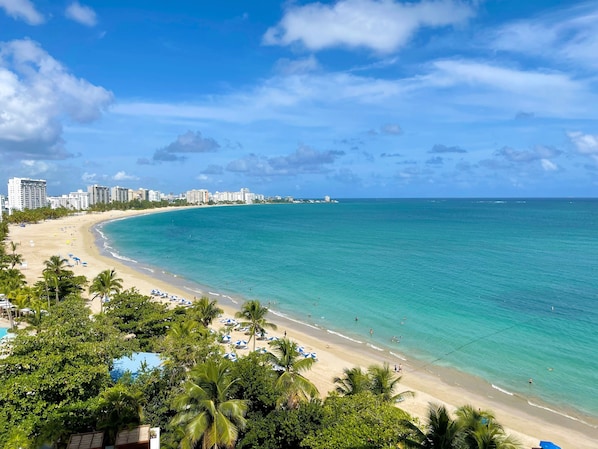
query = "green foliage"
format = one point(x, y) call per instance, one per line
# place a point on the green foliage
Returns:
point(256, 383)
point(36, 215)
point(292, 386)
point(134, 313)
point(119, 407)
point(253, 315)
point(105, 284)
point(360, 421)
point(206, 410)
point(65, 363)
point(205, 310)
point(283, 428)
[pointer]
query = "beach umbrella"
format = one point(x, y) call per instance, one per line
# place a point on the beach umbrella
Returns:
point(548, 445)
point(230, 356)
point(241, 344)
point(226, 339)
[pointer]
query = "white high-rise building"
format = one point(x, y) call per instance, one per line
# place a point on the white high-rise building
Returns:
point(98, 194)
point(24, 193)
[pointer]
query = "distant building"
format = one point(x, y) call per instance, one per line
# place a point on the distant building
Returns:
point(24, 193)
point(98, 194)
point(119, 194)
point(200, 196)
point(2, 206)
point(154, 195)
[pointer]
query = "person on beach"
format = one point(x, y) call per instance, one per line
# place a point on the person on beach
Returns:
point(371, 332)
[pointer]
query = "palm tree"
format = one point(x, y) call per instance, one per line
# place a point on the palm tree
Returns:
point(383, 383)
point(119, 406)
point(205, 409)
point(290, 363)
point(206, 310)
point(482, 431)
point(14, 258)
point(254, 315)
point(105, 284)
point(442, 431)
point(354, 381)
point(55, 269)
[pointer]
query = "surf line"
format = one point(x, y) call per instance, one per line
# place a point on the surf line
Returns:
point(475, 340)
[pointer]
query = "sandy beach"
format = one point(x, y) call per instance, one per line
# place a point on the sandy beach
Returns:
point(73, 235)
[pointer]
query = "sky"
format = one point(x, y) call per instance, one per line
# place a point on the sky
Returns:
point(347, 98)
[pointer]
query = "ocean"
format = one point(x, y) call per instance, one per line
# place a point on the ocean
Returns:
point(503, 290)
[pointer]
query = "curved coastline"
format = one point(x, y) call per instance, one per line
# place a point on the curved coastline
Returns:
point(337, 351)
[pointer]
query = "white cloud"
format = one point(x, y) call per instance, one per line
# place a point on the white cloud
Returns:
point(381, 25)
point(35, 168)
point(22, 9)
point(548, 165)
point(564, 35)
point(122, 176)
point(37, 94)
point(586, 144)
point(82, 14)
point(292, 67)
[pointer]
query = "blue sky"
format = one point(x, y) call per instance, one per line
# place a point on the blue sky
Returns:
point(348, 98)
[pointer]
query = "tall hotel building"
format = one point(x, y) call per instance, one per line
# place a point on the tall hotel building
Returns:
point(26, 193)
point(98, 194)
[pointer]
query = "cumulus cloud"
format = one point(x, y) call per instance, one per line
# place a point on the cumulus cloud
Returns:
point(359, 23)
point(517, 156)
point(123, 176)
point(305, 160)
point(586, 144)
point(81, 13)
point(439, 148)
point(187, 143)
point(23, 10)
point(37, 93)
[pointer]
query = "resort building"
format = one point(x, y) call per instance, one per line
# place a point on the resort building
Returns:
point(119, 194)
point(24, 193)
point(98, 194)
point(200, 196)
point(2, 206)
point(78, 200)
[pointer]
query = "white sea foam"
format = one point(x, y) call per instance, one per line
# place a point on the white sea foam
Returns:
point(562, 414)
point(502, 390)
point(193, 290)
point(344, 336)
point(148, 269)
point(118, 256)
point(374, 347)
point(214, 294)
point(303, 323)
point(399, 356)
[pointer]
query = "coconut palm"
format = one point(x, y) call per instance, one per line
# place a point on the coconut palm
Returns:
point(354, 381)
point(59, 280)
point(383, 383)
point(14, 258)
point(482, 431)
point(206, 310)
point(119, 406)
point(254, 316)
point(105, 284)
point(442, 431)
point(290, 363)
point(206, 411)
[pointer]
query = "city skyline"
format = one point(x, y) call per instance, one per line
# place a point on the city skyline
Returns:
point(348, 98)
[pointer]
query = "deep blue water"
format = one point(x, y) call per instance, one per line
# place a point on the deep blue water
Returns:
point(505, 290)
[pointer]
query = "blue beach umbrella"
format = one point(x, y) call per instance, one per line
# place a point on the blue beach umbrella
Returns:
point(548, 445)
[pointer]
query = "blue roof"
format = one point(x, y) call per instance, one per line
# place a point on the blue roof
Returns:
point(133, 364)
point(548, 445)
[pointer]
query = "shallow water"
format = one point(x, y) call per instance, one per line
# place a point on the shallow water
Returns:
point(505, 290)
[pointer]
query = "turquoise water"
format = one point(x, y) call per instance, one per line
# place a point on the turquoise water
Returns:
point(3, 331)
point(504, 290)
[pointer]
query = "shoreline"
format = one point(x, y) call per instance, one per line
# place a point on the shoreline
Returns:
point(335, 351)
